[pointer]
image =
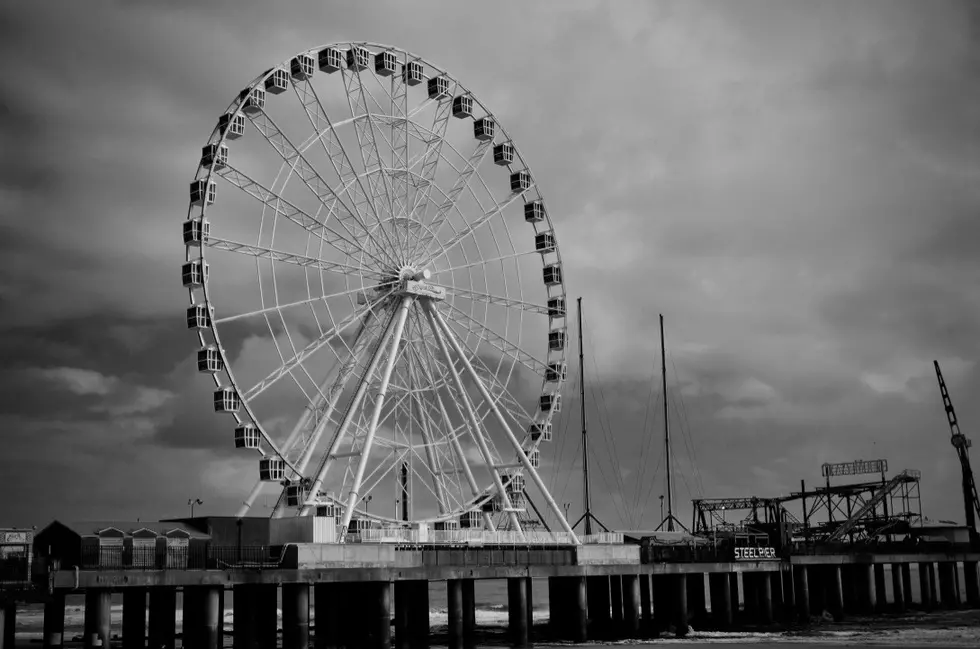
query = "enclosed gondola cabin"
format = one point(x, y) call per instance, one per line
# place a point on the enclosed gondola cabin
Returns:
point(198, 317)
point(328, 511)
point(540, 431)
point(246, 436)
point(209, 360)
point(277, 82)
point(412, 73)
point(196, 231)
point(556, 340)
point(471, 520)
point(271, 469)
point(513, 482)
point(544, 242)
point(551, 275)
point(330, 59)
point(439, 88)
point(194, 273)
point(385, 64)
point(550, 403)
point(302, 67)
point(231, 125)
point(520, 181)
point(556, 307)
point(492, 506)
point(534, 458)
point(556, 372)
point(358, 58)
point(295, 495)
point(253, 101)
point(463, 106)
point(483, 129)
point(216, 154)
point(227, 400)
point(202, 191)
point(534, 212)
point(503, 154)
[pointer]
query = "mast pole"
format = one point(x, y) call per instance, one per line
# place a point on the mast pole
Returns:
point(585, 438)
point(670, 486)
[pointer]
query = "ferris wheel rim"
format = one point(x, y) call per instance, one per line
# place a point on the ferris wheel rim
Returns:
point(220, 138)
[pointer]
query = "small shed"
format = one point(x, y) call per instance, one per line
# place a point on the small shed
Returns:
point(119, 544)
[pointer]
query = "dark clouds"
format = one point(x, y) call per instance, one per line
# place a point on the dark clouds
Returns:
point(793, 184)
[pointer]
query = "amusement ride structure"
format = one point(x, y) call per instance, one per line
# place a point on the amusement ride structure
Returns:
point(376, 283)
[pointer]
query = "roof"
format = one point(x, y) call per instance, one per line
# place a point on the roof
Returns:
point(665, 538)
point(92, 528)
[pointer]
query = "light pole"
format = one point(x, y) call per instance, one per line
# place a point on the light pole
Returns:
point(194, 501)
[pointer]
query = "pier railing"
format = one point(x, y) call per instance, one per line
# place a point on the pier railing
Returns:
point(477, 537)
point(203, 557)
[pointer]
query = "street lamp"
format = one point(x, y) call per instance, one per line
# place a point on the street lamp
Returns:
point(194, 501)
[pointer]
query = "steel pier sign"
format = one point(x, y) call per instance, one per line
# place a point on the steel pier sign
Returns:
point(755, 554)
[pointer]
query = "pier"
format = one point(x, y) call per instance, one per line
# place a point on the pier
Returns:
point(373, 594)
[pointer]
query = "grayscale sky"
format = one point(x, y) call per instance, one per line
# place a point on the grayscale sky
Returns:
point(793, 184)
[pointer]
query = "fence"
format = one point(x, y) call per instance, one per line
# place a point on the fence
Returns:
point(202, 557)
point(404, 536)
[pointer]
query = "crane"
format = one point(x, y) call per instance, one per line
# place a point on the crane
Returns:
point(971, 501)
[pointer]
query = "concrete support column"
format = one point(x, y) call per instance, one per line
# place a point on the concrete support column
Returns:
point(765, 598)
point(972, 583)
point(631, 606)
point(947, 585)
point(680, 605)
point(244, 611)
point(134, 618)
point(469, 613)
point(517, 611)
point(817, 581)
point(202, 627)
point(190, 627)
point(898, 587)
point(696, 597)
point(454, 602)
point(8, 621)
point(418, 623)
point(721, 598)
point(835, 592)
point(577, 609)
point(778, 600)
point(97, 620)
point(801, 582)
point(867, 584)
point(529, 604)
point(266, 615)
point(926, 593)
point(326, 630)
point(377, 602)
point(750, 595)
point(646, 606)
point(403, 614)
point(599, 607)
point(54, 621)
point(788, 581)
point(295, 616)
point(880, 590)
point(907, 583)
point(616, 603)
point(733, 595)
point(163, 617)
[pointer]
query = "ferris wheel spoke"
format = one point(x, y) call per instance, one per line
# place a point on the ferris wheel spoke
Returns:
point(350, 181)
point(364, 129)
point(327, 197)
point(474, 226)
point(479, 296)
point(287, 210)
point(495, 340)
point(484, 262)
point(452, 196)
point(439, 323)
point(289, 258)
point(309, 350)
point(432, 316)
point(308, 301)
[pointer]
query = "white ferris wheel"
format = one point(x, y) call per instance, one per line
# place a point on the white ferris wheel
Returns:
point(377, 288)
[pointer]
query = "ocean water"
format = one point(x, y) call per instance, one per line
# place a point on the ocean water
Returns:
point(950, 629)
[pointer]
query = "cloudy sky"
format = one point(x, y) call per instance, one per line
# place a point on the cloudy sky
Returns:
point(794, 185)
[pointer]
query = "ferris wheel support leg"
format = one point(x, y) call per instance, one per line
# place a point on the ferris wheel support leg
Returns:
point(256, 490)
point(376, 414)
point(331, 398)
point(521, 455)
point(433, 316)
point(430, 458)
point(321, 472)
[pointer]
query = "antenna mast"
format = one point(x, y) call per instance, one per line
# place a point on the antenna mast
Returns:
point(587, 516)
point(669, 519)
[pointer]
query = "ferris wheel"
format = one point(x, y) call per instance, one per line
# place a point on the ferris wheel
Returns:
point(378, 294)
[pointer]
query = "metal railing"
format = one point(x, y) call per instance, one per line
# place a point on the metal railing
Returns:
point(472, 537)
point(203, 557)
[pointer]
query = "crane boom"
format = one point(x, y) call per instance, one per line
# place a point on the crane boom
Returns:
point(961, 443)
